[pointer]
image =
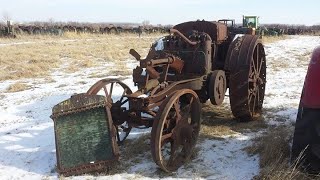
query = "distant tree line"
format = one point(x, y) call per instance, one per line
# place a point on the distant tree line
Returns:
point(58, 28)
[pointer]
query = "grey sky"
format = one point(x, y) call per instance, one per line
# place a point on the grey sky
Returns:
point(162, 12)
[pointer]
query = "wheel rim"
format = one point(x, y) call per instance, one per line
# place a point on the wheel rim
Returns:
point(119, 104)
point(256, 81)
point(217, 87)
point(247, 64)
point(175, 130)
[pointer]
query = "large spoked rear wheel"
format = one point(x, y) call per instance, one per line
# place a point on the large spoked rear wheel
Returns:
point(175, 130)
point(115, 92)
point(247, 65)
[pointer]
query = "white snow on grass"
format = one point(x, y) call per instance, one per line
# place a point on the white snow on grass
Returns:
point(287, 63)
point(27, 147)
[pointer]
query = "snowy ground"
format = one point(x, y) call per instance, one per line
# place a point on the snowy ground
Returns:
point(27, 149)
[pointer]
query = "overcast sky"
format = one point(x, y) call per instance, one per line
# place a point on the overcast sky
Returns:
point(162, 11)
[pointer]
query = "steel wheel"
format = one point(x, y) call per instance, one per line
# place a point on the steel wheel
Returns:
point(175, 130)
point(247, 65)
point(217, 87)
point(118, 102)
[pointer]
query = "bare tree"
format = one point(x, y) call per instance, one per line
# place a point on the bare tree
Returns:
point(6, 16)
point(51, 21)
point(145, 23)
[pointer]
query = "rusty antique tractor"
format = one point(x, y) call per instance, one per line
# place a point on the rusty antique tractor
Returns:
point(198, 61)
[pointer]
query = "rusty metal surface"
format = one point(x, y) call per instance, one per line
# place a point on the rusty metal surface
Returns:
point(197, 61)
point(183, 36)
point(217, 87)
point(119, 112)
point(247, 65)
point(175, 130)
point(80, 102)
point(217, 31)
point(70, 117)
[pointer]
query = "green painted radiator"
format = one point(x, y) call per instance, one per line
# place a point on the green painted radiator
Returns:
point(84, 135)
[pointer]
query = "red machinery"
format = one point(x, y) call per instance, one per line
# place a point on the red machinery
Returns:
point(306, 140)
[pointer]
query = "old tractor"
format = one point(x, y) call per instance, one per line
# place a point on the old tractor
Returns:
point(250, 25)
point(198, 61)
point(250, 21)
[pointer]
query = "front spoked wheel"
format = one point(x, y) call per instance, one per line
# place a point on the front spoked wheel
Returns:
point(116, 94)
point(175, 130)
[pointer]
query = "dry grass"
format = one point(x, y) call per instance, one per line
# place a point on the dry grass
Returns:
point(71, 52)
point(272, 39)
point(304, 58)
point(31, 56)
point(18, 86)
point(218, 121)
point(132, 152)
point(273, 147)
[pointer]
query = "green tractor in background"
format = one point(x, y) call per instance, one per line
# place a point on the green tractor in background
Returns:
point(250, 22)
point(250, 25)
point(253, 22)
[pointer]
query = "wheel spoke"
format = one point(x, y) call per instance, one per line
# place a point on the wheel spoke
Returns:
point(254, 104)
point(173, 154)
point(124, 92)
point(105, 91)
point(186, 113)
point(261, 81)
point(258, 94)
point(165, 138)
point(118, 134)
point(177, 110)
point(124, 102)
point(122, 126)
point(171, 137)
point(257, 51)
point(251, 73)
point(190, 104)
point(254, 66)
point(111, 88)
point(250, 96)
point(261, 62)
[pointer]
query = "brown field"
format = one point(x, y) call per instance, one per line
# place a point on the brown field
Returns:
point(30, 56)
point(271, 39)
point(36, 56)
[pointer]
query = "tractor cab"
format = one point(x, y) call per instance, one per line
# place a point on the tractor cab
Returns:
point(250, 22)
point(227, 22)
point(249, 26)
